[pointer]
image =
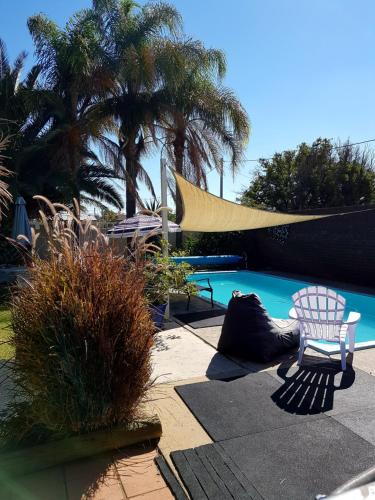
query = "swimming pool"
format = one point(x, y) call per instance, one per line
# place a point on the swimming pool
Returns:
point(276, 294)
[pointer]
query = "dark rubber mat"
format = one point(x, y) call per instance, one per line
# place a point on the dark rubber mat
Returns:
point(295, 432)
point(203, 319)
point(325, 388)
point(242, 406)
point(170, 479)
point(208, 473)
point(300, 461)
point(362, 422)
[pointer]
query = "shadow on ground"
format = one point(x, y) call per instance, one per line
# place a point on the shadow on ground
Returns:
point(125, 473)
point(310, 389)
point(223, 368)
point(161, 343)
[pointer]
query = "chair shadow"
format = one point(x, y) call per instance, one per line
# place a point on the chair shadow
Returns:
point(310, 389)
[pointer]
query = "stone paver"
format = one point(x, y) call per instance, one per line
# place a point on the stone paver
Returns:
point(181, 429)
point(210, 335)
point(365, 360)
point(94, 478)
point(138, 472)
point(42, 485)
point(163, 494)
point(126, 474)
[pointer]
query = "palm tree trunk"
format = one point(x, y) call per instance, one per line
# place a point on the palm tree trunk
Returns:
point(130, 188)
point(130, 153)
point(75, 145)
point(179, 146)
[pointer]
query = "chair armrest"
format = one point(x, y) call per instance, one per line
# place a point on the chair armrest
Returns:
point(353, 318)
point(293, 314)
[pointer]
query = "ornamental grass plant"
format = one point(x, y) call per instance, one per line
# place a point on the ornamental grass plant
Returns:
point(82, 335)
point(5, 196)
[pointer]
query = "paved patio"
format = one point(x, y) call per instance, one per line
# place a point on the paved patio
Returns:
point(363, 359)
point(181, 356)
point(359, 421)
point(129, 473)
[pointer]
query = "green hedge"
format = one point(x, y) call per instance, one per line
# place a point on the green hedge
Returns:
point(214, 244)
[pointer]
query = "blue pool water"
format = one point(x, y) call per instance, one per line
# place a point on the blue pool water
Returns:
point(276, 292)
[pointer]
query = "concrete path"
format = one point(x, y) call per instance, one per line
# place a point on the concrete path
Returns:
point(181, 429)
point(179, 355)
point(363, 359)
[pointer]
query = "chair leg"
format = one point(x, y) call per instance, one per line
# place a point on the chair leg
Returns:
point(343, 355)
point(351, 336)
point(212, 299)
point(301, 350)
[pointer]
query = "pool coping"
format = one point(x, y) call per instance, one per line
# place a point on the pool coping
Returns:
point(335, 348)
point(328, 349)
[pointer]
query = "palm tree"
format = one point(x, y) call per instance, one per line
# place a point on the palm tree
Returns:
point(205, 121)
point(14, 108)
point(168, 87)
point(133, 41)
point(46, 132)
point(74, 79)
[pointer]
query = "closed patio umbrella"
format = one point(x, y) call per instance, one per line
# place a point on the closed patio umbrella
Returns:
point(21, 224)
point(140, 224)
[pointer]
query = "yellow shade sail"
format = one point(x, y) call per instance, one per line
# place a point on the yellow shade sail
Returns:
point(205, 212)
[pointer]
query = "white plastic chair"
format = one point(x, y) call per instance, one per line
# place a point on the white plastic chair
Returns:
point(320, 313)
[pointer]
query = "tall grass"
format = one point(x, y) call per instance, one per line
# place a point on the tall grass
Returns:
point(82, 335)
point(5, 196)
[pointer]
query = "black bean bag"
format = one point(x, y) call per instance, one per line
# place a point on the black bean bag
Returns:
point(249, 332)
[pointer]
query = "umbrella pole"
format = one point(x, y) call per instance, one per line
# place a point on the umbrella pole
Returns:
point(164, 213)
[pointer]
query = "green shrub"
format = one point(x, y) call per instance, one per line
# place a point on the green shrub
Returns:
point(82, 335)
point(214, 244)
point(164, 276)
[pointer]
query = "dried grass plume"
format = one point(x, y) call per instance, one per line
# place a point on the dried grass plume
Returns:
point(82, 335)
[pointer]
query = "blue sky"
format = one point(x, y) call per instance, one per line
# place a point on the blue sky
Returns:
point(302, 69)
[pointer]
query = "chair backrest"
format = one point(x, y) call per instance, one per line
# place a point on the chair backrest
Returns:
point(320, 312)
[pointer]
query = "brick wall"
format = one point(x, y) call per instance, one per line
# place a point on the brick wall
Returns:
point(339, 248)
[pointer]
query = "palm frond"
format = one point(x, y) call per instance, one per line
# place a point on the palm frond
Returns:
point(32, 77)
point(152, 205)
point(92, 181)
point(146, 179)
point(4, 61)
point(154, 17)
point(18, 67)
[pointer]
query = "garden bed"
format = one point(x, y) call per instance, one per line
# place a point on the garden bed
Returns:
point(34, 458)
